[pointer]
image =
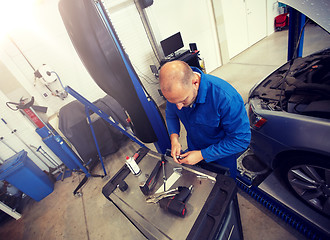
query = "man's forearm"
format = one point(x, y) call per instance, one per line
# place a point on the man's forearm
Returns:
point(174, 138)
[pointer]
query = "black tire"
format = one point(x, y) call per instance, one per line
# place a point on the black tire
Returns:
point(308, 176)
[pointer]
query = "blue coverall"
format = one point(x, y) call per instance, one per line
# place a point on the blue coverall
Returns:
point(217, 122)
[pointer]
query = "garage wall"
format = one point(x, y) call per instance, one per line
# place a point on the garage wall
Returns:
point(44, 40)
point(240, 24)
point(48, 43)
point(194, 19)
point(25, 134)
point(272, 11)
point(245, 23)
point(130, 30)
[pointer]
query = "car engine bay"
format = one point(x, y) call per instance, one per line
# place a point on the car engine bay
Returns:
point(301, 86)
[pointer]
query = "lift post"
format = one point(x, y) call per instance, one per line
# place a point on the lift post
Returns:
point(296, 37)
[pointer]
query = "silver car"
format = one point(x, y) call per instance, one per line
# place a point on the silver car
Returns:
point(289, 114)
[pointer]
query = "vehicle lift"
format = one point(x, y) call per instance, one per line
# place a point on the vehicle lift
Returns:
point(267, 187)
point(149, 109)
point(281, 203)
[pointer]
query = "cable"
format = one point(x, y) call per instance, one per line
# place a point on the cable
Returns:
point(298, 104)
point(58, 77)
point(291, 63)
point(14, 109)
point(13, 42)
point(151, 99)
point(146, 77)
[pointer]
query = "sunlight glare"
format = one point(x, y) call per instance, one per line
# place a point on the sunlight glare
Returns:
point(16, 15)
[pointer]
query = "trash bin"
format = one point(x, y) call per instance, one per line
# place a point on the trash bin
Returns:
point(24, 174)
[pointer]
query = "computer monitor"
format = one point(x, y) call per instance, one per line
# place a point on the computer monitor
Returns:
point(172, 44)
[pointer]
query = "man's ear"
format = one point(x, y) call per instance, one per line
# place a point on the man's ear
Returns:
point(195, 82)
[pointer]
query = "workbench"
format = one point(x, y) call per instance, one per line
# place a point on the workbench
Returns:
point(211, 210)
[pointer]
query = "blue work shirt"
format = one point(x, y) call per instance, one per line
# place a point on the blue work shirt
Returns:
point(217, 122)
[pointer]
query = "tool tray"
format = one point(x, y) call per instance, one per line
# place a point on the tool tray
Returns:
point(206, 208)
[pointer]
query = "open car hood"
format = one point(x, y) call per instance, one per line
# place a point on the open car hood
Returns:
point(316, 10)
point(306, 89)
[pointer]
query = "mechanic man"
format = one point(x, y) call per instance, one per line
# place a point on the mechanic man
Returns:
point(212, 112)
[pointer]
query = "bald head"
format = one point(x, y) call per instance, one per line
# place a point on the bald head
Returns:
point(175, 74)
point(179, 84)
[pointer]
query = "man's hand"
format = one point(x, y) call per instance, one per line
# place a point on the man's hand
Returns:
point(191, 157)
point(175, 147)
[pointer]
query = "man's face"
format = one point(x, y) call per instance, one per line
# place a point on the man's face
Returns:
point(182, 96)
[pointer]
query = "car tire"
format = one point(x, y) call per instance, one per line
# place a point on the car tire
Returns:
point(308, 176)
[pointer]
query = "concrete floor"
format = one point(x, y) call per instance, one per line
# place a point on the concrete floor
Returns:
point(91, 216)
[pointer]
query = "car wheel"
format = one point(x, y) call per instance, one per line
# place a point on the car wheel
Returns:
point(309, 177)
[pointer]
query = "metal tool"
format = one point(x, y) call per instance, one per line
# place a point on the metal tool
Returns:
point(201, 177)
point(45, 155)
point(155, 198)
point(28, 110)
point(179, 157)
point(177, 169)
point(122, 185)
point(164, 174)
point(168, 153)
point(3, 141)
point(149, 184)
point(176, 204)
point(14, 131)
point(40, 119)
